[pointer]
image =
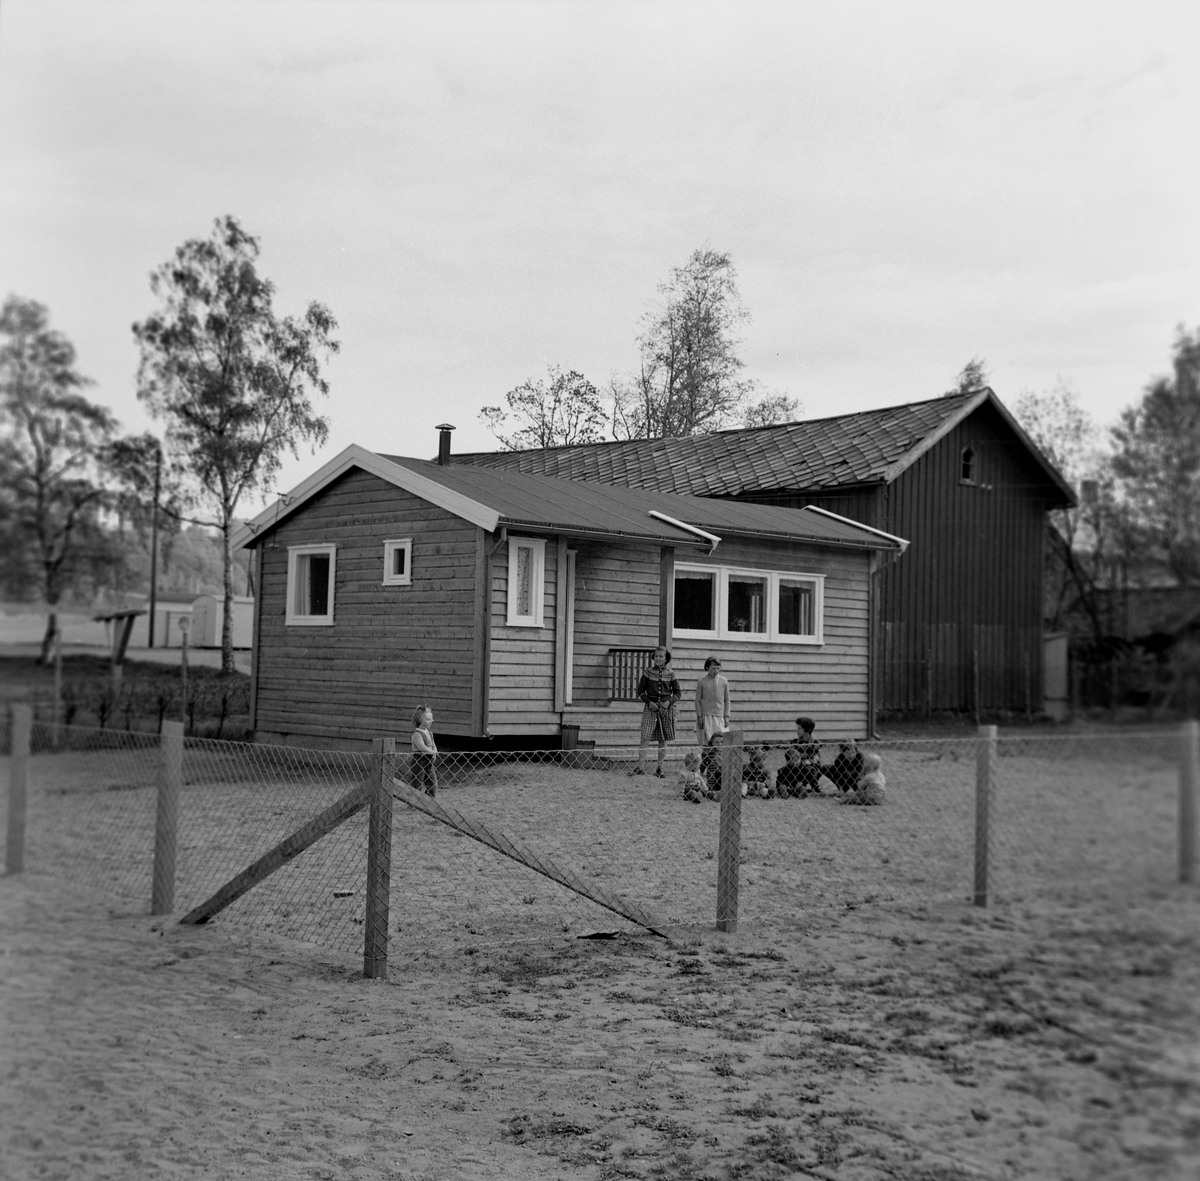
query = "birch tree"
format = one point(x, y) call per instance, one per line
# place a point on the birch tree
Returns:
point(233, 382)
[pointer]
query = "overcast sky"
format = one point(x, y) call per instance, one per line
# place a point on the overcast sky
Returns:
point(478, 190)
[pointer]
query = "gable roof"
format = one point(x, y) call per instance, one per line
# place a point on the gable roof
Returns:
point(494, 499)
point(870, 447)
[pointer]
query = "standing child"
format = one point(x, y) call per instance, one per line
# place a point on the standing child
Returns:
point(424, 751)
point(691, 782)
point(872, 786)
point(712, 702)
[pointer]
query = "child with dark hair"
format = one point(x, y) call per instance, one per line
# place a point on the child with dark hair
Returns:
point(808, 750)
point(710, 765)
point(794, 780)
point(846, 770)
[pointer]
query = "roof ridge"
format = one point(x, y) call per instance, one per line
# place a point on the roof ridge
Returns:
point(746, 430)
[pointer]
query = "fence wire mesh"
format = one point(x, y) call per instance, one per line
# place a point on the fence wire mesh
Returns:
point(1085, 814)
point(91, 808)
point(1068, 814)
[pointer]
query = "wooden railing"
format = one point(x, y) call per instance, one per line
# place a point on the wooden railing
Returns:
point(625, 668)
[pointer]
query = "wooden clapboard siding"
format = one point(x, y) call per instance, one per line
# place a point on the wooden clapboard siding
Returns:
point(617, 598)
point(389, 646)
point(521, 659)
point(616, 606)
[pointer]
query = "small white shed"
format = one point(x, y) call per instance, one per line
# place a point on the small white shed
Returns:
point(208, 613)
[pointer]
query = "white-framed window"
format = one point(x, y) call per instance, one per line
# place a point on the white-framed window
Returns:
point(397, 562)
point(310, 585)
point(727, 603)
point(526, 581)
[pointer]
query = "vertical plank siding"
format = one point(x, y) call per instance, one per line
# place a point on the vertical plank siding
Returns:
point(389, 646)
point(964, 604)
point(963, 608)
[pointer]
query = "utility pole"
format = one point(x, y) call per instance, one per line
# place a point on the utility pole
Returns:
point(154, 545)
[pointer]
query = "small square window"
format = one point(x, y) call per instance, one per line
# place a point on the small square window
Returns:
point(397, 562)
point(310, 585)
point(526, 581)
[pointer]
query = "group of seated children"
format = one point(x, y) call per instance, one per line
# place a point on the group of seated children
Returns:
point(856, 777)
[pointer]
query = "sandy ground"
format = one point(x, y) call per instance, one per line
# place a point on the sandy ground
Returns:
point(890, 1031)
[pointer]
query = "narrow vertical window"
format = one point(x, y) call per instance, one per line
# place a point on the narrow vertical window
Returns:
point(397, 562)
point(526, 581)
point(968, 466)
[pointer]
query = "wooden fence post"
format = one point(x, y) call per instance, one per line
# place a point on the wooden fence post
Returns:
point(18, 789)
point(166, 820)
point(729, 849)
point(1189, 783)
point(379, 860)
point(985, 778)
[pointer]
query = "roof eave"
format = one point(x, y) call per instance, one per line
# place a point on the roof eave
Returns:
point(249, 534)
point(602, 534)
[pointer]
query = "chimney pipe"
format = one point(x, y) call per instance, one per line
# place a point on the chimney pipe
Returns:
point(444, 429)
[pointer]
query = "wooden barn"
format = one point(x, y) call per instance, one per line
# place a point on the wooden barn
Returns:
point(959, 623)
point(521, 607)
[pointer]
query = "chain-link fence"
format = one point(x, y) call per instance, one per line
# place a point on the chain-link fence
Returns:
point(519, 844)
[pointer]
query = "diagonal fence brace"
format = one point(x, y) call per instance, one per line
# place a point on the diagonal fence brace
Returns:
point(573, 881)
point(324, 822)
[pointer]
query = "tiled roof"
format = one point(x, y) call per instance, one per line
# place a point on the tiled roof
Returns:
point(533, 501)
point(798, 456)
point(870, 447)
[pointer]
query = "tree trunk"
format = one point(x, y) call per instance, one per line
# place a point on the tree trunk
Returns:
point(227, 665)
point(48, 638)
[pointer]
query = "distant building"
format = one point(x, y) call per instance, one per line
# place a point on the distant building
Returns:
point(208, 616)
point(204, 614)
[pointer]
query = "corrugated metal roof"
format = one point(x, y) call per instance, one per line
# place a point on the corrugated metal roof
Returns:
point(535, 501)
point(869, 447)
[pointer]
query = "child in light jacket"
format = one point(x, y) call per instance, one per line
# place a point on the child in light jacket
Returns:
point(424, 751)
point(872, 786)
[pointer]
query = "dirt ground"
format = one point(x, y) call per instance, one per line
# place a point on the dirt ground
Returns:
point(877, 1035)
point(947, 1044)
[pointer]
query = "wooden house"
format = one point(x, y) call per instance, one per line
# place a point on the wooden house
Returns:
point(521, 607)
point(959, 621)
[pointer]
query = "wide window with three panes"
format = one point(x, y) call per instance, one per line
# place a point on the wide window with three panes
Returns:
point(723, 602)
